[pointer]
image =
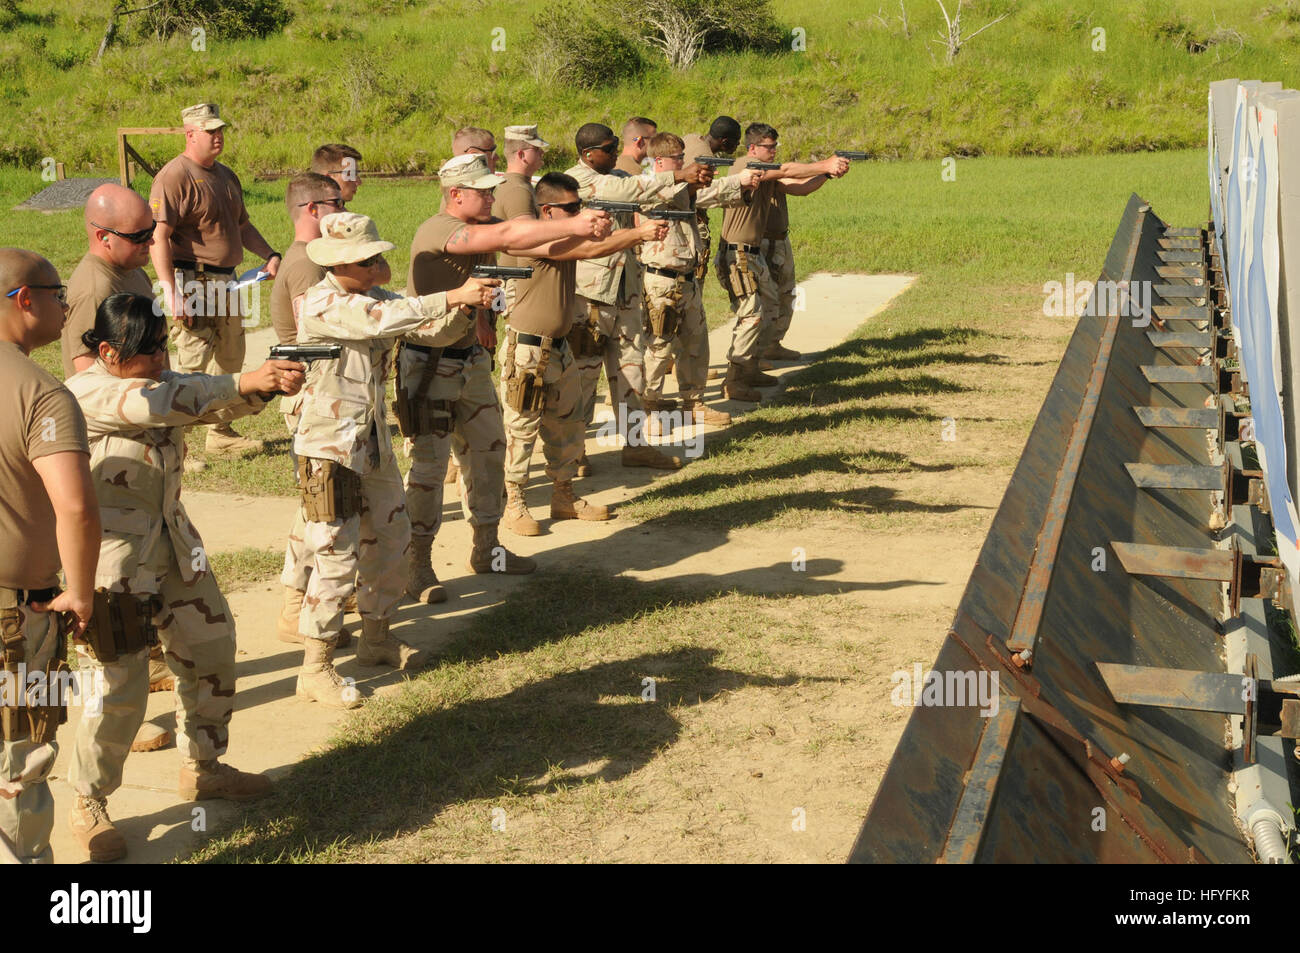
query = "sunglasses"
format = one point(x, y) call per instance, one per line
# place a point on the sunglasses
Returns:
point(479, 150)
point(611, 147)
point(570, 207)
point(338, 204)
point(370, 262)
point(60, 291)
point(136, 238)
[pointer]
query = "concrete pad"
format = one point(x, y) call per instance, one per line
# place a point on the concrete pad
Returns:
point(272, 729)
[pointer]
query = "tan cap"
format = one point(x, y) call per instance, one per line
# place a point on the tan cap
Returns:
point(469, 171)
point(204, 115)
point(527, 134)
point(346, 237)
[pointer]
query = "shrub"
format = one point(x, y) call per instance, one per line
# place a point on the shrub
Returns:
point(221, 19)
point(576, 48)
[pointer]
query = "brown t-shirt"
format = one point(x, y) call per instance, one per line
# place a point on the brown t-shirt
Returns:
point(297, 273)
point(627, 164)
point(513, 198)
point(746, 224)
point(205, 207)
point(433, 270)
point(778, 216)
point(92, 281)
point(41, 417)
point(544, 303)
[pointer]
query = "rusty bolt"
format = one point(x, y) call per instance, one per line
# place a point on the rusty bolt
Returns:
point(1118, 762)
point(1021, 659)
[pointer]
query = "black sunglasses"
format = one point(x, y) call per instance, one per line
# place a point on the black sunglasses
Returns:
point(570, 207)
point(611, 147)
point(60, 291)
point(371, 261)
point(339, 204)
point(136, 238)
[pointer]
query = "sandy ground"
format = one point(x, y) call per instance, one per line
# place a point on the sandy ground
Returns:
point(921, 580)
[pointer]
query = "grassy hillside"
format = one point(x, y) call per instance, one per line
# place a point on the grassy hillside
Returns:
point(396, 77)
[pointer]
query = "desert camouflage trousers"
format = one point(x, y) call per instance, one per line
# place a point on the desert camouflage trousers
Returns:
point(559, 423)
point(365, 553)
point(687, 346)
point(215, 345)
point(780, 261)
point(27, 818)
point(624, 357)
point(197, 632)
point(754, 308)
point(477, 436)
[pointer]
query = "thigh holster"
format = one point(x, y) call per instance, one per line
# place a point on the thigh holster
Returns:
point(743, 281)
point(418, 415)
point(330, 491)
point(663, 315)
point(20, 721)
point(525, 393)
point(122, 623)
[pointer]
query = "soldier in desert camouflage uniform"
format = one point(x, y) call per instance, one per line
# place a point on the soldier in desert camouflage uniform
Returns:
point(153, 579)
point(673, 298)
point(609, 288)
point(357, 531)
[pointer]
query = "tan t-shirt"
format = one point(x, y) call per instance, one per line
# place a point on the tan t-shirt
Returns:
point(695, 145)
point(627, 164)
point(778, 216)
point(205, 207)
point(432, 269)
point(544, 303)
point(297, 273)
point(92, 281)
point(746, 224)
point(513, 198)
point(41, 417)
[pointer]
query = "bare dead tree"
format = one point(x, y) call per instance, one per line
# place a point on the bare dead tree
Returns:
point(676, 30)
point(110, 31)
point(951, 38)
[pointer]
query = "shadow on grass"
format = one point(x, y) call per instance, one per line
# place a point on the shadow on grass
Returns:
point(401, 777)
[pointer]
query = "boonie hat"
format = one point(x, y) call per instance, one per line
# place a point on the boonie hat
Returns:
point(527, 134)
point(469, 171)
point(346, 237)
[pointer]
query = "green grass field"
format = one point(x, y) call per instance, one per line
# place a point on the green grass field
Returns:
point(395, 79)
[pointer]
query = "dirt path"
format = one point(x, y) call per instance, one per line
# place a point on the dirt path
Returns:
point(922, 578)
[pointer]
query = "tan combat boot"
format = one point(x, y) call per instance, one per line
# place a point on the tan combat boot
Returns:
point(161, 678)
point(584, 465)
point(700, 413)
point(319, 682)
point(736, 387)
point(223, 440)
point(516, 518)
point(151, 737)
point(488, 555)
point(286, 626)
point(648, 457)
point(378, 646)
point(754, 375)
point(94, 831)
point(201, 780)
point(776, 351)
point(422, 583)
point(566, 506)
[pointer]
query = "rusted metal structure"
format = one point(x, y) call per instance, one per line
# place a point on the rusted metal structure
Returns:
point(1130, 545)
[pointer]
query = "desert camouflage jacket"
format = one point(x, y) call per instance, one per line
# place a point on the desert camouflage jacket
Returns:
point(137, 444)
point(344, 398)
point(683, 248)
point(600, 278)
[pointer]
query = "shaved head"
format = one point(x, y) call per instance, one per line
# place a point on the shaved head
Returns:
point(113, 206)
point(20, 267)
point(112, 209)
point(34, 316)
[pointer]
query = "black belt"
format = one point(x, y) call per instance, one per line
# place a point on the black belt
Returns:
point(200, 268)
point(536, 340)
point(753, 249)
point(28, 596)
point(455, 353)
point(669, 273)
